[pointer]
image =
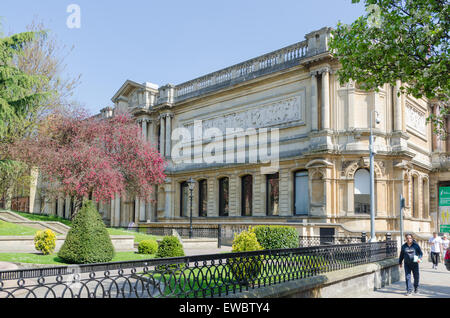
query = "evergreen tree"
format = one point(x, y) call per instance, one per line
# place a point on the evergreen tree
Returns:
point(88, 241)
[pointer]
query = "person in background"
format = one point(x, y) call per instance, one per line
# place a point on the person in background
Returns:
point(411, 254)
point(445, 245)
point(436, 248)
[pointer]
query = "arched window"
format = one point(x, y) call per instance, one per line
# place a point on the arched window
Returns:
point(272, 186)
point(247, 195)
point(223, 196)
point(202, 198)
point(184, 199)
point(301, 193)
point(362, 191)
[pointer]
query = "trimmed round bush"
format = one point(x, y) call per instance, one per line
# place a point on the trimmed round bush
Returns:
point(246, 241)
point(276, 236)
point(45, 241)
point(245, 269)
point(147, 247)
point(88, 241)
point(170, 246)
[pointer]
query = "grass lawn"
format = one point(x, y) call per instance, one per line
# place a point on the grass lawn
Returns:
point(138, 237)
point(211, 281)
point(11, 229)
point(55, 260)
point(44, 218)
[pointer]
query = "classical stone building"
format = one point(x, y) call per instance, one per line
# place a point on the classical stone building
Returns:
point(320, 128)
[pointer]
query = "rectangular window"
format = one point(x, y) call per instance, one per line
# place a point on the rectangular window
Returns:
point(272, 186)
point(301, 193)
point(247, 195)
point(184, 199)
point(223, 197)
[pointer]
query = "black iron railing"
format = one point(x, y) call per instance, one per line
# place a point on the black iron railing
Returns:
point(193, 276)
point(306, 241)
point(226, 237)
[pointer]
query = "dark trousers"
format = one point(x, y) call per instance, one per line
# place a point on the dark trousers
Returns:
point(414, 268)
point(435, 258)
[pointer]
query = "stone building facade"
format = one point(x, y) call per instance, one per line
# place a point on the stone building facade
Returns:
point(322, 129)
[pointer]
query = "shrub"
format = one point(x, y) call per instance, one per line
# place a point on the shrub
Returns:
point(170, 246)
point(245, 269)
point(276, 236)
point(88, 240)
point(147, 247)
point(45, 241)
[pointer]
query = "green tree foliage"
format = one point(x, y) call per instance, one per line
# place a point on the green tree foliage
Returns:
point(19, 96)
point(88, 240)
point(398, 40)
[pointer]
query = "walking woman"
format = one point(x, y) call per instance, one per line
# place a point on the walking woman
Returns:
point(411, 254)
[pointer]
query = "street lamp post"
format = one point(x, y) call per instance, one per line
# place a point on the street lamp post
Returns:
point(372, 178)
point(191, 184)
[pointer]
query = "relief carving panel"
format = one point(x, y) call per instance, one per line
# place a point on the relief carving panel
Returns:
point(283, 111)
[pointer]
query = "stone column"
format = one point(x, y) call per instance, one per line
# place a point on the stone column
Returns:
point(168, 206)
point(151, 135)
point(435, 136)
point(150, 209)
point(60, 207)
point(326, 99)
point(142, 210)
point(162, 135)
point(398, 111)
point(144, 129)
point(314, 102)
point(117, 211)
point(168, 149)
point(68, 205)
point(136, 210)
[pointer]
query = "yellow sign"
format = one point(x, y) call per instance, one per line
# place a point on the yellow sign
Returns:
point(445, 216)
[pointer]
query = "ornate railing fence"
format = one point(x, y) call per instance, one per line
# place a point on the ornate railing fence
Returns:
point(193, 276)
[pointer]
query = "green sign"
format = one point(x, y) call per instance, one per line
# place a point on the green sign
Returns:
point(445, 228)
point(444, 196)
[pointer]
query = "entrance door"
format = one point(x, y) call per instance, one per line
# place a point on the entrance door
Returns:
point(326, 236)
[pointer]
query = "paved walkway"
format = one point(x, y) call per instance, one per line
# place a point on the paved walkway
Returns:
point(433, 284)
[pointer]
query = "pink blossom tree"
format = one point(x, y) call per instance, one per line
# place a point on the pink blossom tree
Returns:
point(81, 156)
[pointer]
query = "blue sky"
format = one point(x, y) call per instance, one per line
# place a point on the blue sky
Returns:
point(170, 41)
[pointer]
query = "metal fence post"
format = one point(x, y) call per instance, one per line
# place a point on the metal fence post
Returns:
point(219, 235)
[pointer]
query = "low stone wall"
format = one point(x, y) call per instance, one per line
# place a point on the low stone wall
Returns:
point(25, 244)
point(349, 282)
